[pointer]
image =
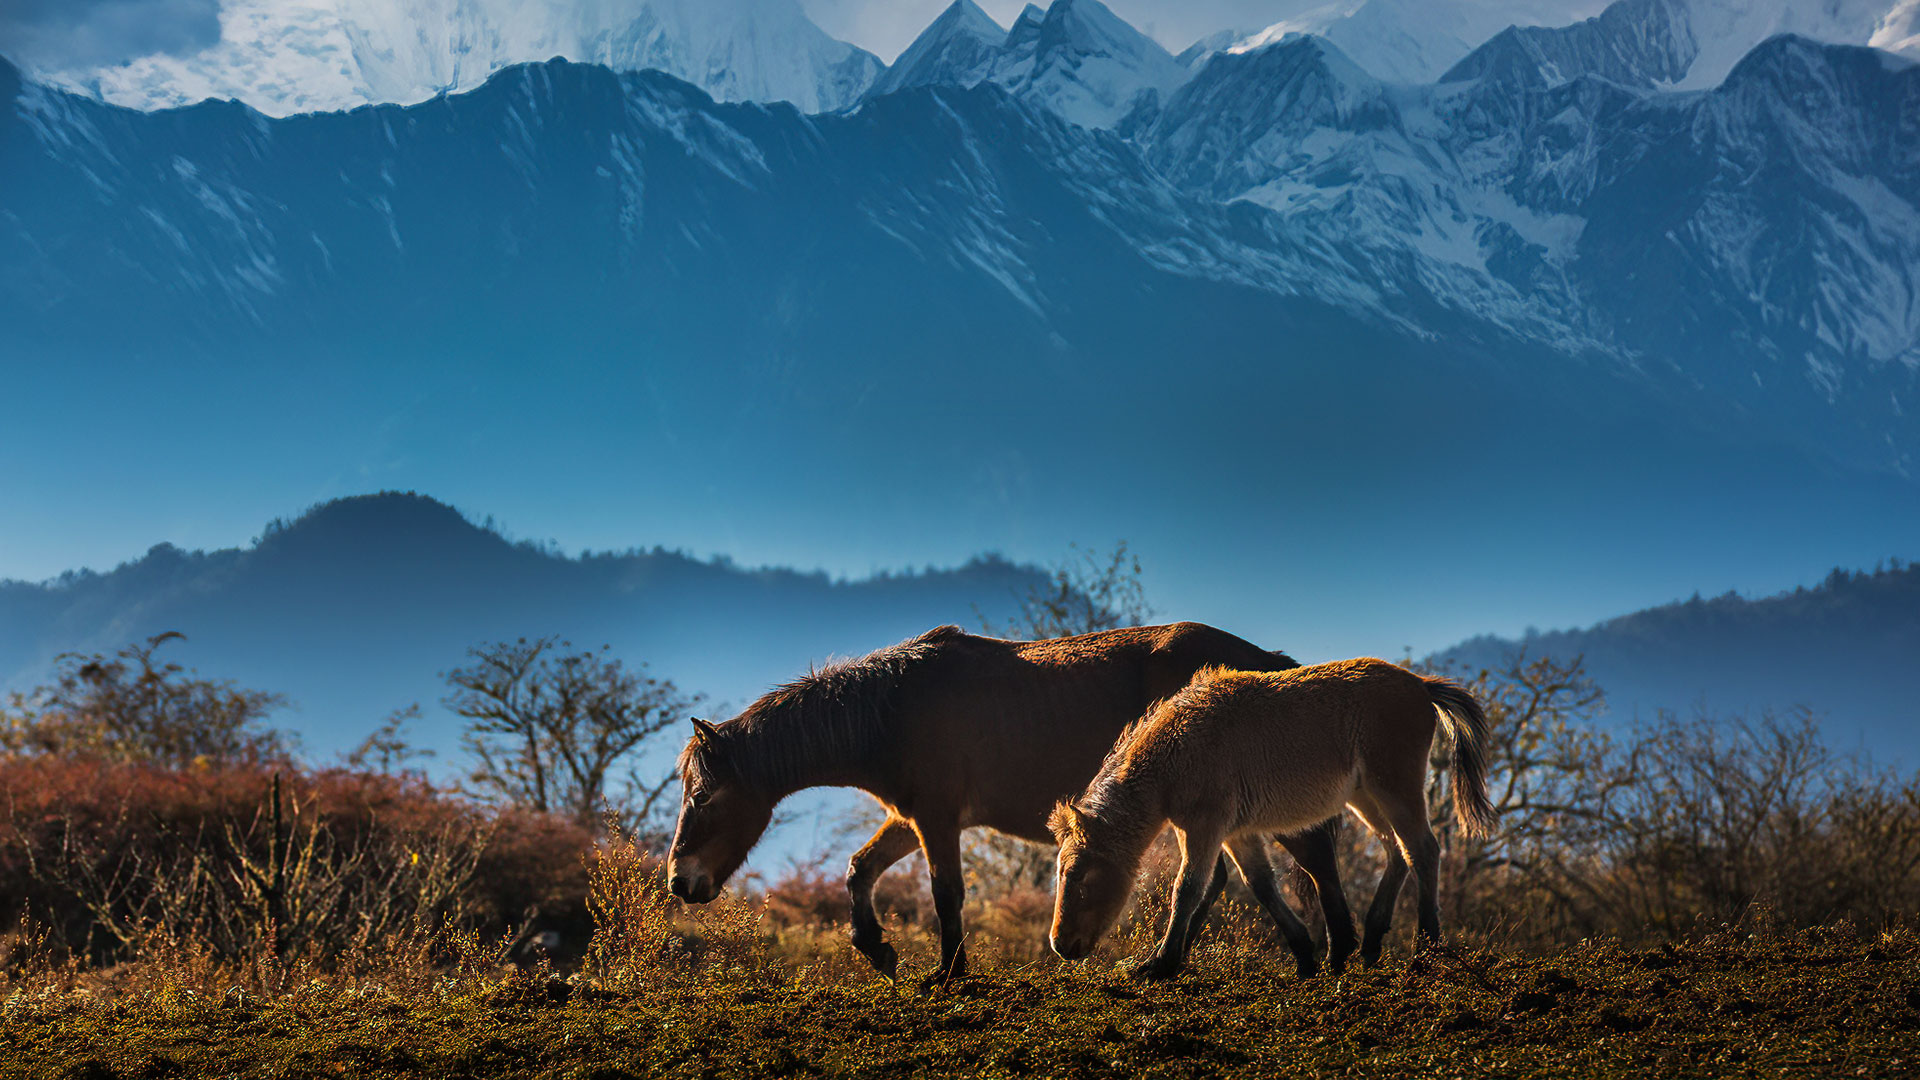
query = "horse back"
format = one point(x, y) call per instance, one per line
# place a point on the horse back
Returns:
point(1010, 726)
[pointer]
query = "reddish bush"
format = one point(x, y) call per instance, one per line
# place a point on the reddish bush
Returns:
point(80, 839)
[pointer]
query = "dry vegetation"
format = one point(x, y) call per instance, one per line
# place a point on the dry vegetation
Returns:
point(1696, 897)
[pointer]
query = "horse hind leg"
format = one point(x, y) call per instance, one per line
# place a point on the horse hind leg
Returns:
point(1380, 912)
point(891, 843)
point(1256, 869)
point(1406, 813)
point(1313, 849)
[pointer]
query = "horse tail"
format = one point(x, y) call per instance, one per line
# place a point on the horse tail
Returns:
point(1466, 723)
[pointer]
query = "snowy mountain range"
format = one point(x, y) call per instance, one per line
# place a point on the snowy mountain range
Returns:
point(1419, 41)
point(291, 56)
point(1750, 251)
point(287, 56)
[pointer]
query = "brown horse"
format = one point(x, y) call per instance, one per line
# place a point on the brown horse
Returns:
point(951, 730)
point(1237, 754)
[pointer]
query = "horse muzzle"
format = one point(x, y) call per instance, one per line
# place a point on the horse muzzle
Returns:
point(1071, 948)
point(694, 888)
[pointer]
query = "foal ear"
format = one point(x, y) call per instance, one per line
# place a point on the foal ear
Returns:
point(1064, 821)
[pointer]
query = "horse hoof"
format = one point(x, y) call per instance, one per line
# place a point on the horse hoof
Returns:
point(882, 957)
point(1154, 971)
point(936, 982)
point(1308, 968)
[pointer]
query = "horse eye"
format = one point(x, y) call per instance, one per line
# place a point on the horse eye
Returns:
point(700, 798)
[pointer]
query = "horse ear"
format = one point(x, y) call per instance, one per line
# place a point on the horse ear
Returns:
point(707, 734)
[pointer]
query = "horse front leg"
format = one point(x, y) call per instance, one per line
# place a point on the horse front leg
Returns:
point(891, 843)
point(1214, 888)
point(1197, 859)
point(1313, 849)
point(942, 847)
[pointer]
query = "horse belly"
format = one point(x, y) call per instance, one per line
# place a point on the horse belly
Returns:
point(1292, 803)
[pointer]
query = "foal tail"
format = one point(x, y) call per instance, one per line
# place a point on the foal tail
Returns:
point(1467, 724)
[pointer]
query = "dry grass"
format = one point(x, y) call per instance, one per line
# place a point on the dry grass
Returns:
point(728, 990)
point(1818, 1003)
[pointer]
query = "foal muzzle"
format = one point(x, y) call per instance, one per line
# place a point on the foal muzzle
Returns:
point(1070, 949)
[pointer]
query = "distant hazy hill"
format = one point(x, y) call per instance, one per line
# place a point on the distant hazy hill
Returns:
point(1848, 648)
point(355, 608)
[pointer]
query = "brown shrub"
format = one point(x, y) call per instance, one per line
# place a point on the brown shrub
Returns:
point(106, 854)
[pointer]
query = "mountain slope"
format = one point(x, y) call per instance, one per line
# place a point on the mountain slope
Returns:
point(321, 55)
point(1638, 43)
point(355, 609)
point(1843, 648)
point(1564, 204)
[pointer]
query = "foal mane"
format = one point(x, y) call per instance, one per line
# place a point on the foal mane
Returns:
point(1108, 797)
point(836, 714)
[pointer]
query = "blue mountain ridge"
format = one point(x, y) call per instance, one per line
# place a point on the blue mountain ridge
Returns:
point(357, 607)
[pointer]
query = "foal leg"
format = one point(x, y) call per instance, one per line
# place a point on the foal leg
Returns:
point(1313, 849)
point(1380, 912)
point(1256, 869)
point(1197, 860)
point(1408, 815)
point(1214, 887)
point(888, 846)
point(942, 847)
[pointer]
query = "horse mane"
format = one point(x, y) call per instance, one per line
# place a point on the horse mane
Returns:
point(837, 713)
point(1107, 797)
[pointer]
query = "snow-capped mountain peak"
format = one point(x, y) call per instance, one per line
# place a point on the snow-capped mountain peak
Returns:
point(1417, 41)
point(290, 56)
point(1076, 58)
point(960, 48)
point(1089, 65)
point(1026, 28)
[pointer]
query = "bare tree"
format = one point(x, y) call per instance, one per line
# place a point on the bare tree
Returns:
point(1554, 780)
point(560, 731)
point(388, 750)
point(1089, 590)
point(130, 708)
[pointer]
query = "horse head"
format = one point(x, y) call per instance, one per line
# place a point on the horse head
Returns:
point(1093, 887)
point(721, 818)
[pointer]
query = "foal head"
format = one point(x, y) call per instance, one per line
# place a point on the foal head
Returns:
point(1095, 879)
point(721, 818)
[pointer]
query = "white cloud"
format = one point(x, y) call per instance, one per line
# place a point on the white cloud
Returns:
point(89, 33)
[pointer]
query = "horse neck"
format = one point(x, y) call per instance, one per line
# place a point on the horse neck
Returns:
point(784, 753)
point(1128, 814)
